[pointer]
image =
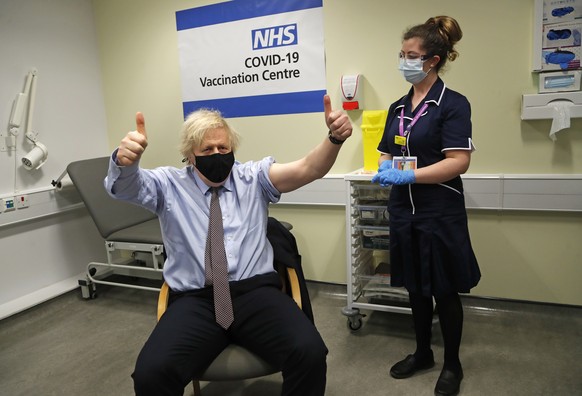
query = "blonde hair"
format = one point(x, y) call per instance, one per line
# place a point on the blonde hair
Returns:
point(197, 124)
point(439, 36)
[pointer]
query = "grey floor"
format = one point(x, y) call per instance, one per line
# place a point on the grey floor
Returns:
point(71, 346)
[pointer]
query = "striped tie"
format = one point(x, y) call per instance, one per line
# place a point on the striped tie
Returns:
point(216, 265)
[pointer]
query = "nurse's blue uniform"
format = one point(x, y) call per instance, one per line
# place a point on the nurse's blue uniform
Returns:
point(430, 247)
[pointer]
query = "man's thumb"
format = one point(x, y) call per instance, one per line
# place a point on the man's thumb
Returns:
point(326, 106)
point(140, 124)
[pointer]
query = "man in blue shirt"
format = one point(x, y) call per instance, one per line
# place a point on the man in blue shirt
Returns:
point(267, 322)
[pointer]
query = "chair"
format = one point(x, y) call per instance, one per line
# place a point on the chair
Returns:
point(235, 362)
point(132, 234)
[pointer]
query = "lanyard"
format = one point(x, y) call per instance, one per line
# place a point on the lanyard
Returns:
point(404, 133)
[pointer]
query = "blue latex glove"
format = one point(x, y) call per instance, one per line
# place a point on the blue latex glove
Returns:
point(385, 165)
point(560, 12)
point(561, 58)
point(393, 176)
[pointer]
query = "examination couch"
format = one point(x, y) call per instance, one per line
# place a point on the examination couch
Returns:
point(132, 234)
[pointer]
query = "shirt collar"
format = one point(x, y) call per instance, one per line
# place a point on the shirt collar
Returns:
point(203, 186)
point(434, 95)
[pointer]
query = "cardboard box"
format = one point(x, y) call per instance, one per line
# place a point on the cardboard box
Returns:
point(561, 81)
point(560, 35)
point(562, 46)
point(556, 11)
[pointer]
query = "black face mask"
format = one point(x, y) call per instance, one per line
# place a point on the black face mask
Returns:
point(215, 167)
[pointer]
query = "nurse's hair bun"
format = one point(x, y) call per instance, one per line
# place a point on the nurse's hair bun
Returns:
point(438, 36)
point(449, 31)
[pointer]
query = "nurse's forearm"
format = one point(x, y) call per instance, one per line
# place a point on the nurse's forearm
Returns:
point(444, 170)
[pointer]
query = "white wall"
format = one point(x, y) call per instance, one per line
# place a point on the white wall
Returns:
point(530, 256)
point(42, 258)
point(527, 255)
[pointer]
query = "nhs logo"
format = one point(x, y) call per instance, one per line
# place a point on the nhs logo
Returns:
point(275, 36)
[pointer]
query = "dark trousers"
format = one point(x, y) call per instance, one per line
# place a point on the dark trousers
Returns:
point(266, 321)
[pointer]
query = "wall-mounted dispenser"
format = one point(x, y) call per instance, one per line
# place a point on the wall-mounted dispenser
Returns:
point(559, 107)
point(541, 106)
point(351, 92)
point(560, 81)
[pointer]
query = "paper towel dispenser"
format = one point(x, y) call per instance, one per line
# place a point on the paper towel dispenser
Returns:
point(541, 106)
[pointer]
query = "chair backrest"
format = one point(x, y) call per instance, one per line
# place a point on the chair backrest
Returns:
point(286, 256)
point(110, 215)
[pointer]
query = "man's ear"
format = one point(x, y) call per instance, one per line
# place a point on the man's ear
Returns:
point(190, 160)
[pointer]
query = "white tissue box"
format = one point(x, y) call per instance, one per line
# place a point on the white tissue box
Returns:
point(561, 81)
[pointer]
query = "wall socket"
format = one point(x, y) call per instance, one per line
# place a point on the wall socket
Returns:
point(7, 204)
point(21, 201)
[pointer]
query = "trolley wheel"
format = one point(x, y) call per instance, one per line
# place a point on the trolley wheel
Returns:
point(88, 289)
point(355, 324)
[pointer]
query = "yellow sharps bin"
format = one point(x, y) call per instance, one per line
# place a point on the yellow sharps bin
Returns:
point(373, 122)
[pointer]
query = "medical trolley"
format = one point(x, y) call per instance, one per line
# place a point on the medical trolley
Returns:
point(368, 256)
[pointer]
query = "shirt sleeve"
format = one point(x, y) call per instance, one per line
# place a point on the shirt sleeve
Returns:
point(254, 175)
point(272, 194)
point(132, 184)
point(457, 127)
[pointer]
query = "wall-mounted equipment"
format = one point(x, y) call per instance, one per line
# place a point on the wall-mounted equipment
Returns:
point(559, 107)
point(557, 35)
point(559, 81)
point(557, 50)
point(351, 92)
point(541, 106)
point(35, 157)
point(22, 113)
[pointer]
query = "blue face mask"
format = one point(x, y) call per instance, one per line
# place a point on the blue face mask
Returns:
point(412, 70)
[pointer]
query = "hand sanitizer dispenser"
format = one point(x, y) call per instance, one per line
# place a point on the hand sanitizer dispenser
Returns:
point(351, 92)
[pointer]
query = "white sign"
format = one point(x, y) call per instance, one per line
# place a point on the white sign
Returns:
point(252, 58)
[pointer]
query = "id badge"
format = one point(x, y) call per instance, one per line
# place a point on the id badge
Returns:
point(404, 163)
point(400, 140)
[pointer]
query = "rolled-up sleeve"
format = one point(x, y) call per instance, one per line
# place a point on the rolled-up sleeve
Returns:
point(273, 195)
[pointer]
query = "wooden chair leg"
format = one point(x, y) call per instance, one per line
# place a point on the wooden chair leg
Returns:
point(196, 386)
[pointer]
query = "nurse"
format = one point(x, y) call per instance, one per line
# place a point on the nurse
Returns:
point(426, 146)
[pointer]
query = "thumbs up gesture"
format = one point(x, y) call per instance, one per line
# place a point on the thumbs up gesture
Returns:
point(337, 122)
point(133, 144)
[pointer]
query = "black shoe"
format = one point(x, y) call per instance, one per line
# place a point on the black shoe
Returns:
point(407, 367)
point(448, 383)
